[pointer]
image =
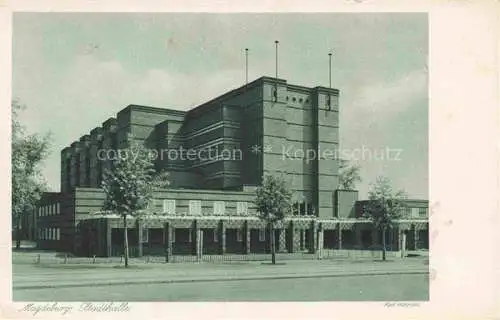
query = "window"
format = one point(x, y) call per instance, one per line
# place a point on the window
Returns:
point(39, 211)
point(58, 234)
point(295, 208)
point(145, 235)
point(219, 208)
point(422, 212)
point(414, 212)
point(329, 103)
point(58, 208)
point(262, 234)
point(173, 235)
point(301, 100)
point(169, 206)
point(49, 234)
point(194, 207)
point(190, 235)
point(241, 207)
point(407, 211)
point(216, 236)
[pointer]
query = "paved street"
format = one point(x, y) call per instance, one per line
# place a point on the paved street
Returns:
point(293, 281)
point(407, 287)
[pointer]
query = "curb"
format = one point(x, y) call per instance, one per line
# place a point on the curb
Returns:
point(215, 279)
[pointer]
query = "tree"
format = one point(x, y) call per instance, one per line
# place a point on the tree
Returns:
point(348, 175)
point(28, 153)
point(384, 207)
point(274, 201)
point(130, 184)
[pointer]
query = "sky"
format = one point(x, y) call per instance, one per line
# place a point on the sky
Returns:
point(75, 70)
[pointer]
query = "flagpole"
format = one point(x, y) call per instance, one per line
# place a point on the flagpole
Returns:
point(276, 43)
point(246, 65)
point(330, 69)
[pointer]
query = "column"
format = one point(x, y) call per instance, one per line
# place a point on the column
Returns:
point(95, 163)
point(98, 251)
point(73, 179)
point(65, 169)
point(313, 237)
point(222, 237)
point(375, 237)
point(339, 236)
point(396, 238)
point(196, 239)
point(108, 142)
point(108, 238)
point(358, 232)
point(167, 240)
point(247, 235)
point(403, 243)
point(416, 239)
point(84, 161)
point(138, 227)
point(269, 235)
point(291, 238)
point(320, 240)
point(282, 240)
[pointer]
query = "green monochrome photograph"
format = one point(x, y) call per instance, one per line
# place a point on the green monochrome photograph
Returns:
point(219, 157)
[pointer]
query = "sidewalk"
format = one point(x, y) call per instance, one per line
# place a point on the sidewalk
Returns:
point(35, 277)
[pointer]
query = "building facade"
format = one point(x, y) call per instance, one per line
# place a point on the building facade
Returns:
point(216, 155)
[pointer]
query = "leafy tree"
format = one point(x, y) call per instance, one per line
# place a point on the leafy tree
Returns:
point(130, 184)
point(384, 207)
point(348, 175)
point(274, 201)
point(28, 153)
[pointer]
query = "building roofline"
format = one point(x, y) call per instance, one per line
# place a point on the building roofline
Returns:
point(322, 89)
point(239, 90)
point(96, 130)
point(155, 109)
point(109, 122)
point(406, 200)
